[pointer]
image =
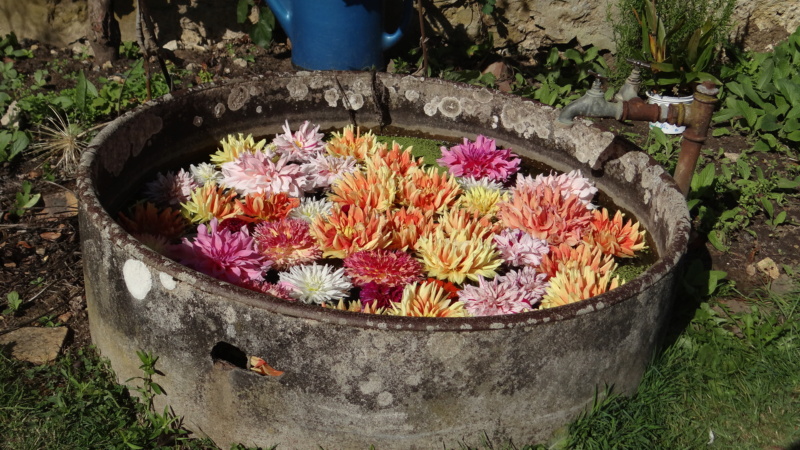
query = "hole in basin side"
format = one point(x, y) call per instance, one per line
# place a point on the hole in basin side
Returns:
point(229, 356)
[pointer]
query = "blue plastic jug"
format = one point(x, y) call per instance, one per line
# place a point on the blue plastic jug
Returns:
point(337, 34)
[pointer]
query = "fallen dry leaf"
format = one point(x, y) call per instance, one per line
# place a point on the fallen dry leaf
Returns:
point(768, 266)
point(24, 244)
point(260, 366)
point(50, 235)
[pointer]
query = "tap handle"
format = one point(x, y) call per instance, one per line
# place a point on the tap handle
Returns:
point(597, 75)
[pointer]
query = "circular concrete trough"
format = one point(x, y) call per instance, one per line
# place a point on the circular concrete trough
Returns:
point(351, 380)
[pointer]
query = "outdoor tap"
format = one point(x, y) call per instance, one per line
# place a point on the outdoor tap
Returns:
point(593, 104)
point(630, 89)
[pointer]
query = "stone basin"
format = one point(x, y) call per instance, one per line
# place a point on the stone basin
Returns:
point(352, 380)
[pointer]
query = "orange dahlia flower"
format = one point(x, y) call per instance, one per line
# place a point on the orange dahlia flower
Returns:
point(613, 236)
point(147, 219)
point(407, 224)
point(400, 161)
point(572, 285)
point(462, 224)
point(374, 189)
point(265, 207)
point(428, 189)
point(545, 214)
point(349, 229)
point(565, 257)
point(427, 300)
point(350, 143)
point(456, 259)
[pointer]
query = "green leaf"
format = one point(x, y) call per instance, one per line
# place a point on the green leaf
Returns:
point(768, 123)
point(748, 112)
point(768, 207)
point(242, 10)
point(80, 92)
point(721, 131)
point(32, 201)
point(789, 89)
point(261, 33)
point(704, 179)
point(765, 75)
point(783, 183)
point(780, 218)
point(794, 136)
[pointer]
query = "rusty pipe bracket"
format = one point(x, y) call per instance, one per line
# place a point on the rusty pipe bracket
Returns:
point(697, 118)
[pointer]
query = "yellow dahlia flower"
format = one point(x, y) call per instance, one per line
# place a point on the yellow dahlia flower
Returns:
point(482, 200)
point(461, 224)
point(572, 285)
point(563, 257)
point(233, 147)
point(356, 306)
point(208, 202)
point(456, 259)
point(427, 300)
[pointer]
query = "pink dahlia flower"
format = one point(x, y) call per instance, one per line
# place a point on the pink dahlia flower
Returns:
point(480, 159)
point(572, 183)
point(223, 254)
point(171, 189)
point(383, 296)
point(323, 169)
point(493, 298)
point(256, 172)
point(302, 145)
point(532, 283)
point(385, 267)
point(287, 242)
point(273, 289)
point(519, 248)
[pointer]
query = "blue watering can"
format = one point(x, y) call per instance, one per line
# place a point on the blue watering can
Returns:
point(337, 34)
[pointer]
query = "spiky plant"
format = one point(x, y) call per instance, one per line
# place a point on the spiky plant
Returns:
point(62, 141)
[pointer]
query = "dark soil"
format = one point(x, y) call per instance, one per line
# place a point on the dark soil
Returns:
point(41, 255)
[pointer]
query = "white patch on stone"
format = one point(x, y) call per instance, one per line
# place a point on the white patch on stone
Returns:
point(466, 326)
point(259, 109)
point(385, 399)
point(137, 278)
point(586, 310)
point(414, 379)
point(218, 110)
point(450, 107)
point(355, 99)
point(431, 107)
point(496, 326)
point(167, 281)
point(332, 97)
point(230, 315)
point(297, 89)
point(412, 95)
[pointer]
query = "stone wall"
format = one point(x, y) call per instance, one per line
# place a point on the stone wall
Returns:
point(528, 24)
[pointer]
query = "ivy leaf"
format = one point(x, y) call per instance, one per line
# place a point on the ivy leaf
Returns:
point(242, 10)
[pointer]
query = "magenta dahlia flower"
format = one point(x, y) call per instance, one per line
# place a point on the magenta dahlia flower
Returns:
point(493, 298)
point(532, 283)
point(286, 243)
point(519, 248)
point(223, 254)
point(256, 172)
point(170, 189)
point(301, 145)
point(480, 159)
point(385, 267)
point(382, 295)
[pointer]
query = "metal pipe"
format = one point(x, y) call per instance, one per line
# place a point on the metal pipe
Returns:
point(697, 120)
point(593, 104)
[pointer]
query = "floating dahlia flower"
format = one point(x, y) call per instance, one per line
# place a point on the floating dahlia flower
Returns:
point(286, 243)
point(322, 170)
point(428, 190)
point(494, 298)
point(531, 282)
point(300, 146)
point(155, 242)
point(147, 219)
point(519, 248)
point(563, 257)
point(572, 183)
point(457, 260)
point(472, 182)
point(315, 283)
point(356, 306)
point(452, 290)
point(479, 159)
point(233, 147)
point(273, 289)
point(373, 190)
point(482, 200)
point(545, 214)
point(204, 173)
point(266, 207)
point(460, 224)
point(380, 296)
point(257, 172)
point(349, 229)
point(208, 202)
point(399, 161)
point(613, 236)
point(407, 224)
point(223, 254)
point(427, 300)
point(385, 267)
point(170, 189)
point(350, 143)
point(572, 285)
point(311, 208)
